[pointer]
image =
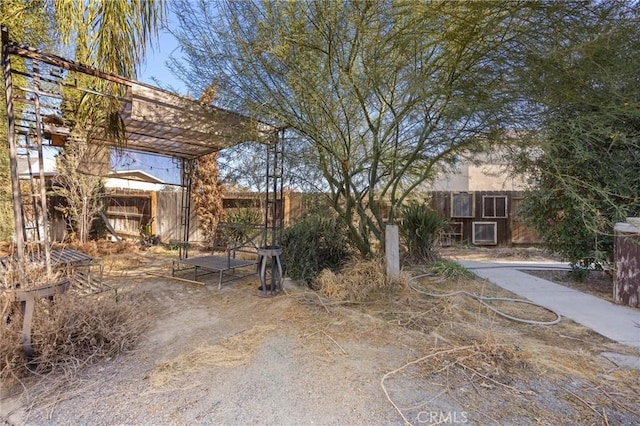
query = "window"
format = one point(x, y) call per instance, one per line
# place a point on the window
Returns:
point(485, 233)
point(494, 206)
point(462, 204)
point(452, 234)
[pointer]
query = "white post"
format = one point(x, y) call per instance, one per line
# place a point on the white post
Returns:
point(392, 251)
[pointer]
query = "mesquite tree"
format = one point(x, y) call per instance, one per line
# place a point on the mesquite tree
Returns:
point(377, 93)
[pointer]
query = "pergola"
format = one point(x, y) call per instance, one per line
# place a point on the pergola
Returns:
point(40, 88)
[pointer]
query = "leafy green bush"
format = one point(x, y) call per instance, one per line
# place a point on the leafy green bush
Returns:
point(578, 230)
point(313, 244)
point(419, 228)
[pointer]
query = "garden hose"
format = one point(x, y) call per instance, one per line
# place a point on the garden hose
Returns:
point(483, 300)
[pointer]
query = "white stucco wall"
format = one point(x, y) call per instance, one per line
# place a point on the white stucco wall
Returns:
point(487, 173)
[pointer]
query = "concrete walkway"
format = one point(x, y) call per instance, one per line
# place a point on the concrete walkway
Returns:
point(618, 323)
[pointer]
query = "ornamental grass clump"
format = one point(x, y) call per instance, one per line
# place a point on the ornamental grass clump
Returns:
point(419, 228)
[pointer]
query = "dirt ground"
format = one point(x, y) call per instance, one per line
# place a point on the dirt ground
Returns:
point(596, 283)
point(230, 357)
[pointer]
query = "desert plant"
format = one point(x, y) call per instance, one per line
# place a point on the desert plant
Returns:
point(449, 270)
point(239, 227)
point(245, 216)
point(419, 228)
point(313, 244)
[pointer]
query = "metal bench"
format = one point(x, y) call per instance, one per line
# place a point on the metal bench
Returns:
point(203, 265)
point(226, 263)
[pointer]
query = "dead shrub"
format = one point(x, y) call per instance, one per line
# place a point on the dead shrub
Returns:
point(7, 248)
point(69, 332)
point(102, 247)
point(358, 281)
point(483, 366)
point(27, 275)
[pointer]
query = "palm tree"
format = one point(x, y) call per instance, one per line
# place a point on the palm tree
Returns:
point(111, 35)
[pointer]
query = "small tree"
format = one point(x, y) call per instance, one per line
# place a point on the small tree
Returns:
point(82, 192)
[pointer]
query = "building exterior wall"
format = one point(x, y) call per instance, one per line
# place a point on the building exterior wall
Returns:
point(493, 177)
point(484, 179)
point(482, 173)
point(456, 179)
point(490, 220)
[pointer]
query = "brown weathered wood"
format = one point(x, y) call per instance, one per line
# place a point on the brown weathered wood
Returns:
point(626, 283)
point(13, 162)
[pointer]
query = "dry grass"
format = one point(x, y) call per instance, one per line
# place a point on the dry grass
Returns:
point(358, 281)
point(494, 369)
point(102, 247)
point(68, 332)
point(7, 249)
point(27, 276)
point(482, 366)
point(452, 353)
point(233, 351)
point(476, 354)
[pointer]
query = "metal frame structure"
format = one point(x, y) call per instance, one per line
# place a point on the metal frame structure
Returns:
point(274, 205)
point(37, 94)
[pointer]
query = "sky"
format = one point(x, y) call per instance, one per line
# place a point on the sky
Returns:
point(156, 73)
point(155, 63)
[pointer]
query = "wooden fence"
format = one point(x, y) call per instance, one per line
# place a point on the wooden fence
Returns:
point(483, 218)
point(130, 212)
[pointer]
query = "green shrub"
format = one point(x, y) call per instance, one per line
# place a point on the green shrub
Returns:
point(240, 225)
point(245, 215)
point(313, 244)
point(450, 270)
point(419, 228)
